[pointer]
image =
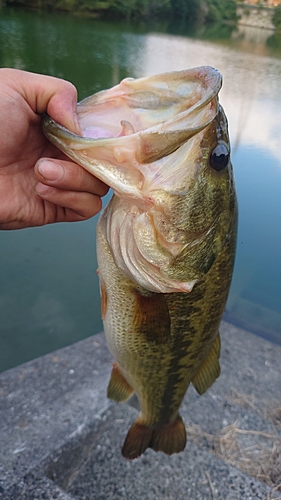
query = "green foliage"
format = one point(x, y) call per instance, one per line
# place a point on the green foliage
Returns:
point(211, 10)
point(68, 5)
point(140, 8)
point(276, 18)
point(125, 7)
point(219, 10)
point(65, 5)
point(185, 9)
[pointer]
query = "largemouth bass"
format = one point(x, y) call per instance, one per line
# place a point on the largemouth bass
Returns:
point(165, 242)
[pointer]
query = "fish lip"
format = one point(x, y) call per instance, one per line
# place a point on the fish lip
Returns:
point(50, 126)
point(56, 133)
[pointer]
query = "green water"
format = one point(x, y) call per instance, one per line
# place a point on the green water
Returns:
point(49, 294)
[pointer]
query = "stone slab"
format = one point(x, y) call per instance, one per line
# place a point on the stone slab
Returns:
point(60, 438)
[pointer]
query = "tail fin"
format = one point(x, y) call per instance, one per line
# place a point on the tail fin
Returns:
point(137, 440)
point(170, 438)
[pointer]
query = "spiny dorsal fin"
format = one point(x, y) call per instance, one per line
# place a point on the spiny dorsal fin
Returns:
point(118, 388)
point(209, 370)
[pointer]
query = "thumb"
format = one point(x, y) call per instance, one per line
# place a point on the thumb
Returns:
point(47, 94)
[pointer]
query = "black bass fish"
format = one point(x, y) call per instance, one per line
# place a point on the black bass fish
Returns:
point(165, 242)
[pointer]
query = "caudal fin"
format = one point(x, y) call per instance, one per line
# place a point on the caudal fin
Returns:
point(170, 438)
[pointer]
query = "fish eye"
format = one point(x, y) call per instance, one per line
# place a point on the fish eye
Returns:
point(219, 157)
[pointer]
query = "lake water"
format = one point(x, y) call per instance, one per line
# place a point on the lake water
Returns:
point(49, 293)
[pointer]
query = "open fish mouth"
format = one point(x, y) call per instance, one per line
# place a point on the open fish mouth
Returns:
point(129, 129)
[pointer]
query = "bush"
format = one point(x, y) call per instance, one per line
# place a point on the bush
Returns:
point(276, 18)
point(185, 9)
point(139, 9)
point(219, 10)
point(210, 10)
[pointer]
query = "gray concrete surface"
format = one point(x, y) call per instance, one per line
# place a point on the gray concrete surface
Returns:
point(60, 438)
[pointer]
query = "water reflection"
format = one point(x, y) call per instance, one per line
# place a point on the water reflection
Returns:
point(49, 291)
point(252, 39)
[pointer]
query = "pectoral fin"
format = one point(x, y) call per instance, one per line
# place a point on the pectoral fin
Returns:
point(209, 370)
point(151, 317)
point(118, 388)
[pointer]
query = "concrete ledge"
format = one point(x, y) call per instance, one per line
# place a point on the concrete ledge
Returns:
point(255, 16)
point(61, 438)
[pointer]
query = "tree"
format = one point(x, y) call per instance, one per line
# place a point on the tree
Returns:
point(276, 18)
point(219, 10)
point(185, 8)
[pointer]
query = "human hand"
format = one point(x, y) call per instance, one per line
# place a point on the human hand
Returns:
point(39, 184)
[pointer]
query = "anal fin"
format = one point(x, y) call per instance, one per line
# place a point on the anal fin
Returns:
point(118, 388)
point(209, 371)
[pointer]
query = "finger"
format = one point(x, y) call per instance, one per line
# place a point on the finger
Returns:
point(67, 175)
point(76, 205)
point(46, 94)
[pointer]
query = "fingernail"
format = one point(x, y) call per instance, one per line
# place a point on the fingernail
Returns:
point(42, 189)
point(50, 170)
